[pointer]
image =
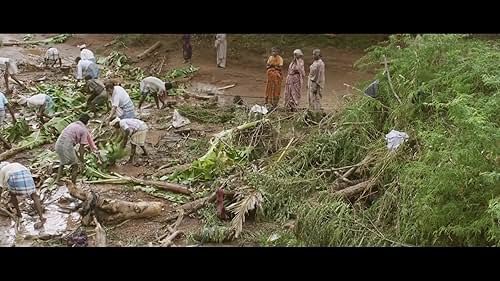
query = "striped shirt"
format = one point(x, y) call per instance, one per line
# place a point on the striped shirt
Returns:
point(133, 124)
point(8, 170)
point(78, 133)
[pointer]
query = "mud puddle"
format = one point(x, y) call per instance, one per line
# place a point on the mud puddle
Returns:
point(60, 220)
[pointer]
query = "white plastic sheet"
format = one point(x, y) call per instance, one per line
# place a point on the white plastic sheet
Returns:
point(395, 139)
point(258, 109)
point(178, 120)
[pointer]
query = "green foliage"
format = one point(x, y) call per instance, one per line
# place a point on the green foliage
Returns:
point(183, 72)
point(18, 130)
point(438, 188)
point(207, 115)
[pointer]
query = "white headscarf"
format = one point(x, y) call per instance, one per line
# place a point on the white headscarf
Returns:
point(23, 100)
point(298, 52)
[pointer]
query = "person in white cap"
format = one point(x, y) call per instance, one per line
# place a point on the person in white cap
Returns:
point(86, 54)
point(18, 179)
point(4, 103)
point(135, 130)
point(9, 69)
point(52, 56)
point(42, 103)
point(155, 87)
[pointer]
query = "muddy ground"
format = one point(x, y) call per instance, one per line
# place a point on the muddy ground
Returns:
point(245, 68)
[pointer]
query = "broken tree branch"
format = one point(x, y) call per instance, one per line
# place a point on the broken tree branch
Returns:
point(149, 50)
point(226, 87)
point(356, 189)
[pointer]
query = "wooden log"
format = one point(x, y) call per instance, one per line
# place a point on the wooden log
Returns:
point(149, 50)
point(350, 191)
point(115, 211)
point(226, 87)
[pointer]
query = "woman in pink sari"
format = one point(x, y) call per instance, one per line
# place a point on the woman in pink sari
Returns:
point(294, 81)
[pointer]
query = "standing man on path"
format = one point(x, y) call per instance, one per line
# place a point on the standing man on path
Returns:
point(187, 49)
point(316, 82)
point(221, 47)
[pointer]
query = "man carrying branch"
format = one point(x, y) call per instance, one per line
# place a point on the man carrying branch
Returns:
point(75, 133)
point(135, 130)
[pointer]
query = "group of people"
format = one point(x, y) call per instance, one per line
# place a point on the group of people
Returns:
point(220, 47)
point(18, 179)
point(295, 80)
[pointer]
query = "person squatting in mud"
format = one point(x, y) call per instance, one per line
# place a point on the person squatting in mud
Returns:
point(135, 130)
point(75, 133)
point(18, 179)
point(155, 87)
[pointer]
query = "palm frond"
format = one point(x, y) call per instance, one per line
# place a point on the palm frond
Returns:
point(245, 203)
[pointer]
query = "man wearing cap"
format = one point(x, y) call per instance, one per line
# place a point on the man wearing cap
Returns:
point(86, 54)
point(9, 69)
point(121, 104)
point(86, 68)
point(52, 56)
point(42, 103)
point(4, 103)
point(75, 133)
point(155, 87)
point(18, 179)
point(135, 130)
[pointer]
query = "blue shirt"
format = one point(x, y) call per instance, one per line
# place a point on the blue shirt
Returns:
point(3, 101)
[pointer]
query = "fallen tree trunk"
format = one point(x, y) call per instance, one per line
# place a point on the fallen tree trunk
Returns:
point(119, 179)
point(115, 211)
point(149, 50)
point(14, 151)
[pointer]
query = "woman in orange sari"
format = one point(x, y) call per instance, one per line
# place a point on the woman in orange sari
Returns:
point(274, 78)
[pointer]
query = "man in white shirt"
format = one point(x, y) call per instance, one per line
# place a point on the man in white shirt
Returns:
point(135, 130)
point(52, 56)
point(9, 69)
point(155, 87)
point(86, 68)
point(121, 104)
point(41, 102)
point(86, 54)
point(18, 179)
